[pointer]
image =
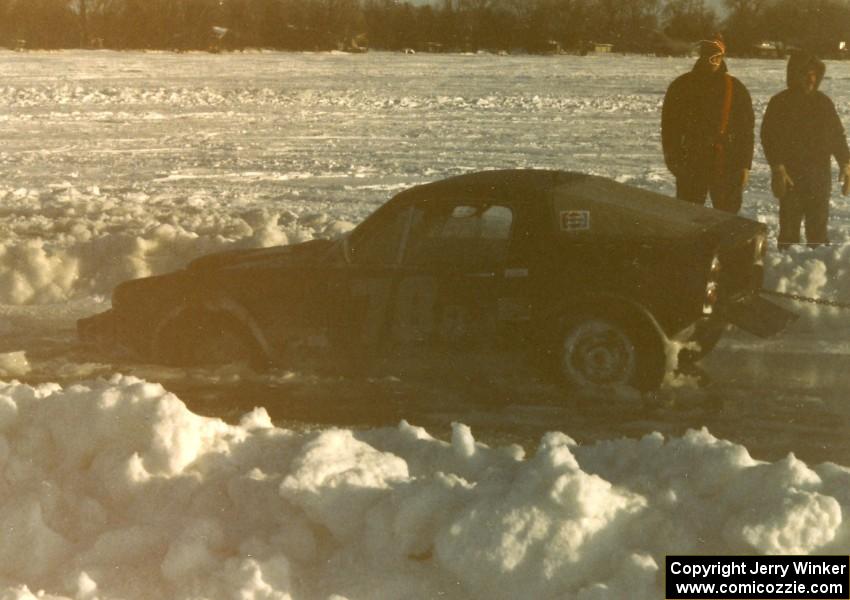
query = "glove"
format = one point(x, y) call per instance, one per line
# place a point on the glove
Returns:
point(780, 182)
point(745, 178)
point(844, 177)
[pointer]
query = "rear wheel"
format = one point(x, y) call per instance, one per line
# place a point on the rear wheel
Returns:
point(598, 351)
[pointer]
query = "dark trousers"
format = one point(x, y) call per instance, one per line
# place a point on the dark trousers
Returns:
point(726, 189)
point(804, 203)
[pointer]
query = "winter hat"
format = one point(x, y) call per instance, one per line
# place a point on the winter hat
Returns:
point(713, 49)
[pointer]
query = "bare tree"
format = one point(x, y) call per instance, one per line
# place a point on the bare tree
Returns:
point(626, 23)
point(689, 19)
point(744, 25)
point(817, 25)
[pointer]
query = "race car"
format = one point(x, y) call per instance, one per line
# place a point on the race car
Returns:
point(575, 274)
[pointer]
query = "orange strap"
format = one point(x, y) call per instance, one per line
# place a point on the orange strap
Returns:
point(719, 146)
point(727, 106)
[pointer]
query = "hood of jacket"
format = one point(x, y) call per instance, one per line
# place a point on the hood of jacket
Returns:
point(799, 63)
point(701, 66)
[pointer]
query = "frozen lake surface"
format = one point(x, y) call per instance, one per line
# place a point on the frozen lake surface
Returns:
point(117, 165)
point(120, 165)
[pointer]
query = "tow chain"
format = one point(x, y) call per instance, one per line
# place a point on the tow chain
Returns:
point(800, 298)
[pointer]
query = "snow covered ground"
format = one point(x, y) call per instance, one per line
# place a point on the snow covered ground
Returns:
point(117, 165)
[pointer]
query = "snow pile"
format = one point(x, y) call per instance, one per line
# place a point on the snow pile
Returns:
point(821, 273)
point(14, 364)
point(113, 489)
point(64, 243)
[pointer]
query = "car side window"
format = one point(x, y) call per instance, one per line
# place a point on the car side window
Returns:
point(379, 244)
point(496, 223)
point(465, 235)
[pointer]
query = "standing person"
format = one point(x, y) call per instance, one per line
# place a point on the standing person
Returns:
point(800, 132)
point(707, 131)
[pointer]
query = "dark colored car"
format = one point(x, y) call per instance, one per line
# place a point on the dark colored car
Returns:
point(578, 274)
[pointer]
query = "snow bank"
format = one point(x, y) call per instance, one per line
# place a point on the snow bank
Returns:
point(114, 489)
point(64, 243)
point(822, 273)
point(14, 364)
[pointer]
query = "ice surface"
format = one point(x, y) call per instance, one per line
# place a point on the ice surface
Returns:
point(119, 165)
point(144, 161)
point(114, 489)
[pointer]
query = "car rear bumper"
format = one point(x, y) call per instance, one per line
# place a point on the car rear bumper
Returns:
point(758, 316)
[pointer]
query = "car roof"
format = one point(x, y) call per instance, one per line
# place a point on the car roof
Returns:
point(515, 184)
point(616, 208)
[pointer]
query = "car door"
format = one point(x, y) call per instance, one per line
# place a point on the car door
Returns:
point(451, 285)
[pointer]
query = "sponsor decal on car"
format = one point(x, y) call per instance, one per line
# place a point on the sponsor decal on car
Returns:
point(575, 220)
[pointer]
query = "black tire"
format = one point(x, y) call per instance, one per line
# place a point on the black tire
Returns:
point(707, 334)
point(601, 351)
point(206, 339)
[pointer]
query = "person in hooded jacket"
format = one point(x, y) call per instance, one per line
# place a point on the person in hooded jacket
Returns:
point(707, 131)
point(800, 133)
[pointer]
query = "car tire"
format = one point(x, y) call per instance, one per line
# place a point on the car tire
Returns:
point(206, 339)
point(602, 352)
point(706, 334)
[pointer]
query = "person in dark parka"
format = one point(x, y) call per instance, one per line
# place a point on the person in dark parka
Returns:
point(800, 132)
point(707, 131)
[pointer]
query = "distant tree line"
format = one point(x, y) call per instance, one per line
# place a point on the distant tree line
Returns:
point(661, 26)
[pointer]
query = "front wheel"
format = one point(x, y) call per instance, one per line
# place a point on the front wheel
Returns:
point(205, 339)
point(602, 352)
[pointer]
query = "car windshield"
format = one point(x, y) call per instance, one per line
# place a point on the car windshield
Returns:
point(377, 239)
point(601, 207)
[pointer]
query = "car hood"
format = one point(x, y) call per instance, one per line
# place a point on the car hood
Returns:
point(304, 252)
